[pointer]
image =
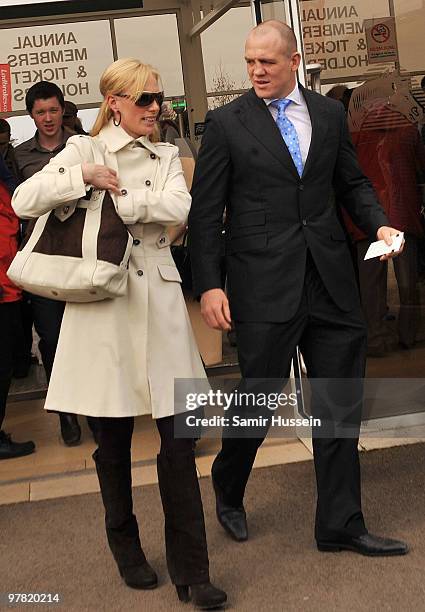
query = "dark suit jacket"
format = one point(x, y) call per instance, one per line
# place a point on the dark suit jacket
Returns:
point(273, 215)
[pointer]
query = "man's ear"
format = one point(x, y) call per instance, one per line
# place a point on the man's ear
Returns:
point(296, 60)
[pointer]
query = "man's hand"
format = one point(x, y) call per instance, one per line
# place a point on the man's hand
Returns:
point(387, 233)
point(215, 309)
point(100, 177)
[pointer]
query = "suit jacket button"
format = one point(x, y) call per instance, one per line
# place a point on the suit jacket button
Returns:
point(153, 156)
point(65, 210)
point(124, 192)
point(301, 187)
point(148, 183)
point(139, 272)
point(61, 170)
point(136, 242)
point(162, 240)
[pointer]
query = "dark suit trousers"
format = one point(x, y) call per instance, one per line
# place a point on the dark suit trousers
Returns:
point(47, 315)
point(333, 344)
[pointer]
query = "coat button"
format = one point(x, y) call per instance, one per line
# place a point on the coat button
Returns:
point(61, 170)
point(153, 156)
point(65, 210)
point(139, 272)
point(304, 221)
point(301, 187)
point(136, 242)
point(124, 192)
point(148, 183)
point(162, 240)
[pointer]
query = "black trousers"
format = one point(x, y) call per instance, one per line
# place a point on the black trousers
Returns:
point(47, 318)
point(115, 434)
point(333, 344)
point(9, 315)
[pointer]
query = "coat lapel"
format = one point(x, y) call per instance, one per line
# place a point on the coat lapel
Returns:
point(319, 125)
point(257, 119)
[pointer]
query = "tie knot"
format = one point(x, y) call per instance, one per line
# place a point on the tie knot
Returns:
point(282, 104)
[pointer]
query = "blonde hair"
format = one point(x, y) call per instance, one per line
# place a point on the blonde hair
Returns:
point(127, 75)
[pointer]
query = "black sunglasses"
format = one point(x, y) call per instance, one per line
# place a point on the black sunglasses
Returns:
point(146, 98)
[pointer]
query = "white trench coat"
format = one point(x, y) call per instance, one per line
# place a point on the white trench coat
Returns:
point(119, 357)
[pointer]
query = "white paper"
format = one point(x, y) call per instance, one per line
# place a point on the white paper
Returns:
point(379, 248)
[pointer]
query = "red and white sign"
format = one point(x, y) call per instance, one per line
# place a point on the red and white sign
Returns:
point(5, 89)
point(381, 40)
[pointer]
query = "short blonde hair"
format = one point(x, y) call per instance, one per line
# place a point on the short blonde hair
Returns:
point(127, 75)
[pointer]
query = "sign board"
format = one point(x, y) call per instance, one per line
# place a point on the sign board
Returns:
point(381, 40)
point(178, 104)
point(334, 36)
point(5, 89)
point(70, 55)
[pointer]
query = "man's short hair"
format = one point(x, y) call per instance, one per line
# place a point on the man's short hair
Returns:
point(43, 90)
point(286, 33)
point(4, 127)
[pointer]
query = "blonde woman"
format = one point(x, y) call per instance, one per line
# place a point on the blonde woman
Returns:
point(117, 359)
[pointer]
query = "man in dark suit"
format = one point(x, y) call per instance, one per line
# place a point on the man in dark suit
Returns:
point(277, 160)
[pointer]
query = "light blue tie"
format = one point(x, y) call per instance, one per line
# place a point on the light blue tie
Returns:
point(289, 133)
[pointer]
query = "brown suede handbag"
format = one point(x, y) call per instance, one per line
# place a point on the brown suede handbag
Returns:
point(78, 252)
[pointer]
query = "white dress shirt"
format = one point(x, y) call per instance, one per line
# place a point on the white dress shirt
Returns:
point(297, 113)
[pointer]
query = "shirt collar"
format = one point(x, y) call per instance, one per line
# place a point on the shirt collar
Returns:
point(294, 96)
point(34, 142)
point(116, 138)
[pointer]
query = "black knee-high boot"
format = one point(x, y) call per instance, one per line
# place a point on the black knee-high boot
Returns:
point(121, 525)
point(185, 539)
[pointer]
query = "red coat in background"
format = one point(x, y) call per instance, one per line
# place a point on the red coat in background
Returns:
point(391, 155)
point(9, 232)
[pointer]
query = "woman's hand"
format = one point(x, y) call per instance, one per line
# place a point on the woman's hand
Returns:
point(100, 177)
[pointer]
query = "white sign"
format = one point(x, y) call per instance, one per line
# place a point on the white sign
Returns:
point(72, 55)
point(381, 40)
point(334, 36)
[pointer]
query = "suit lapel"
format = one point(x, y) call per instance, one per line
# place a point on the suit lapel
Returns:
point(257, 119)
point(319, 125)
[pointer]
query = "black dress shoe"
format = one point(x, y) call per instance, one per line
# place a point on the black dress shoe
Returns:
point(10, 449)
point(366, 544)
point(139, 576)
point(204, 596)
point(70, 429)
point(231, 518)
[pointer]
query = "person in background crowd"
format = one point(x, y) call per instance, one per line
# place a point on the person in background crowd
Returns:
point(23, 330)
point(118, 358)
point(45, 104)
point(167, 124)
point(71, 120)
point(10, 297)
point(337, 92)
point(274, 158)
point(392, 156)
point(6, 149)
